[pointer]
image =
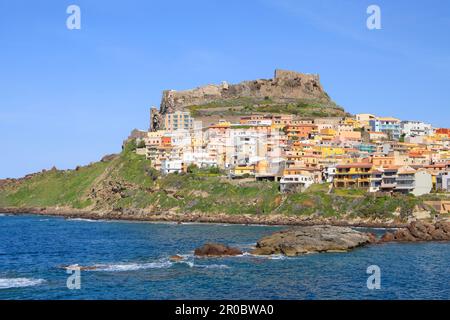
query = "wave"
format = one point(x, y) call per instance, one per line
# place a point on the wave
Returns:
point(163, 263)
point(270, 257)
point(211, 266)
point(84, 220)
point(132, 266)
point(7, 283)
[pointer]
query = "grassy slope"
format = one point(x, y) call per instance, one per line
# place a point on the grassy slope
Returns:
point(243, 106)
point(200, 191)
point(52, 188)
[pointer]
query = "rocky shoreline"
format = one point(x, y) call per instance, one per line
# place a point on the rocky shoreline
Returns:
point(143, 216)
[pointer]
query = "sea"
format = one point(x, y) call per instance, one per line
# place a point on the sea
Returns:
point(131, 260)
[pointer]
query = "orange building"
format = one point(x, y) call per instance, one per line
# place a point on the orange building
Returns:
point(300, 131)
point(443, 131)
point(166, 141)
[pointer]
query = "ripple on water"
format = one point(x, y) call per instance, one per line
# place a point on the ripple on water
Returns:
point(7, 283)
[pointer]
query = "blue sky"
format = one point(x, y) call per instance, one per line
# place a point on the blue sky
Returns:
point(69, 97)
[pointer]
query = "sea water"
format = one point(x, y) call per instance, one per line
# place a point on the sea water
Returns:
point(131, 261)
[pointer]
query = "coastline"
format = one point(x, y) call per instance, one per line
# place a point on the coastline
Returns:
point(265, 220)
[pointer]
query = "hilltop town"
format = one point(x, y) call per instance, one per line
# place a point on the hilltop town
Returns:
point(272, 151)
point(377, 154)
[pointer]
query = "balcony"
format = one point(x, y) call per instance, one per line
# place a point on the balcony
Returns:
point(404, 186)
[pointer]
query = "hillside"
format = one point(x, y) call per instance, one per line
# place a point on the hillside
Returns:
point(126, 185)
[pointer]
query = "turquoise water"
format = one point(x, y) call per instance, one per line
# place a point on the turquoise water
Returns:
point(132, 261)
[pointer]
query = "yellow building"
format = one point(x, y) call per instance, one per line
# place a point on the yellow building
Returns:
point(243, 170)
point(355, 175)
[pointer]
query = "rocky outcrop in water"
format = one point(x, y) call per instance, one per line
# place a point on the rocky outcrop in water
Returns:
point(216, 250)
point(420, 231)
point(310, 239)
point(176, 258)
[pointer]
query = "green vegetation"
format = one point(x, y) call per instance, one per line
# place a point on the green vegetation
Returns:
point(245, 106)
point(53, 188)
point(128, 182)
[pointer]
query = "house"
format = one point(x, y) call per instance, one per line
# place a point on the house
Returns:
point(172, 166)
point(300, 131)
point(296, 182)
point(416, 128)
point(364, 118)
point(177, 120)
point(243, 170)
point(443, 181)
point(423, 183)
point(387, 125)
point(353, 175)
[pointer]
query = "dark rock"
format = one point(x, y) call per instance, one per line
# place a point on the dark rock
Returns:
point(387, 237)
point(419, 230)
point(109, 157)
point(216, 249)
point(440, 235)
point(404, 235)
point(444, 226)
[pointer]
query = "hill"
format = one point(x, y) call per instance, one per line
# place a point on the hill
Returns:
point(125, 186)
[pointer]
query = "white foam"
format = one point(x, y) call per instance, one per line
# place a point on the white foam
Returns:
point(132, 266)
point(84, 220)
point(211, 266)
point(7, 283)
point(270, 257)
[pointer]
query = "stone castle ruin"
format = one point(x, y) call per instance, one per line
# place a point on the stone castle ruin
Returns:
point(285, 87)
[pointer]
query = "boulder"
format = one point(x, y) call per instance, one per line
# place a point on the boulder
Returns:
point(387, 237)
point(419, 230)
point(216, 249)
point(309, 239)
point(404, 235)
point(443, 225)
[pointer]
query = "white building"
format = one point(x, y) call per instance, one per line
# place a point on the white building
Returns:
point(296, 182)
point(416, 128)
point(423, 183)
point(171, 166)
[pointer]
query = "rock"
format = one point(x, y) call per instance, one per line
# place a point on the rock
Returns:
point(445, 226)
point(176, 258)
point(404, 235)
point(372, 237)
point(309, 239)
point(387, 237)
point(439, 235)
point(420, 231)
point(109, 157)
point(216, 249)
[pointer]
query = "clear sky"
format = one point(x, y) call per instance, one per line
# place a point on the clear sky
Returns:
point(67, 97)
